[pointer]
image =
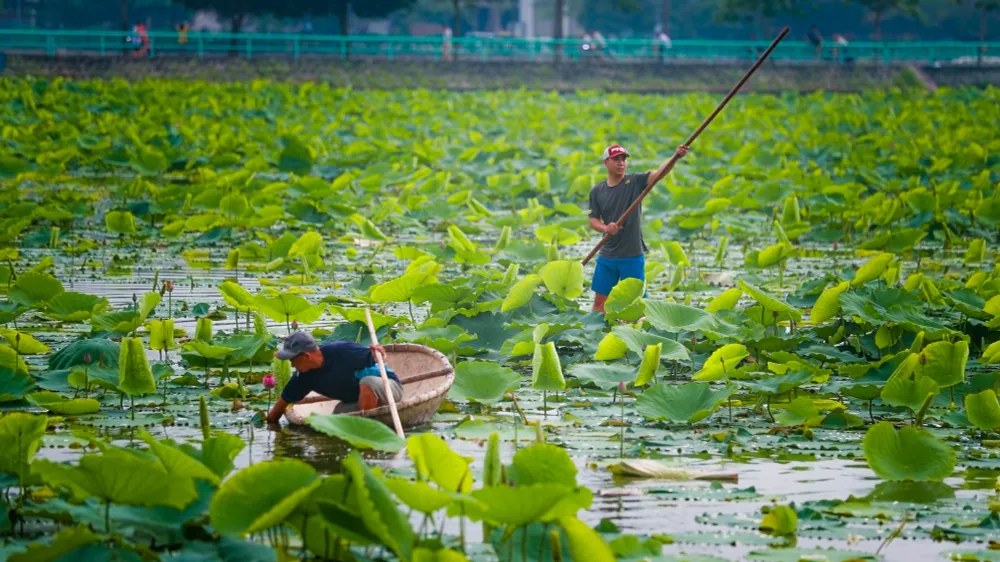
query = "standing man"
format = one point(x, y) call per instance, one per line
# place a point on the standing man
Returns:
point(623, 257)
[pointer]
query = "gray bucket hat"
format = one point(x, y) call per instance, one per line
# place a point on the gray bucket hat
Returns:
point(299, 342)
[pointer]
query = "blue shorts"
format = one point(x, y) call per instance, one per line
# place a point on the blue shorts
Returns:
point(610, 271)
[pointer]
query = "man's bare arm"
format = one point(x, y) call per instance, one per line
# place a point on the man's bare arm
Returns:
point(274, 416)
point(668, 164)
point(610, 228)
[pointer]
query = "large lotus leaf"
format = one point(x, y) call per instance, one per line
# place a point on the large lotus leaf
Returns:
point(34, 287)
point(560, 234)
point(134, 375)
point(722, 362)
point(828, 304)
point(20, 436)
point(726, 300)
point(422, 554)
point(674, 317)
point(176, 461)
point(983, 409)
point(546, 369)
point(810, 555)
point(779, 384)
point(161, 335)
point(148, 161)
point(584, 542)
point(564, 278)
point(434, 460)
point(872, 269)
point(447, 340)
point(237, 297)
point(650, 364)
point(377, 508)
point(71, 306)
point(543, 463)
point(119, 476)
point(11, 359)
point(217, 452)
point(908, 390)
point(907, 454)
point(285, 308)
point(482, 381)
point(24, 343)
point(261, 496)
point(944, 362)
point(363, 433)
point(637, 341)
point(801, 411)
point(686, 403)
point(63, 546)
point(419, 495)
point(768, 302)
point(56, 404)
point(610, 348)
point(10, 311)
point(604, 376)
point(624, 294)
point(520, 505)
point(99, 350)
point(296, 156)
point(780, 520)
point(14, 385)
point(401, 288)
point(520, 294)
point(125, 321)
point(120, 222)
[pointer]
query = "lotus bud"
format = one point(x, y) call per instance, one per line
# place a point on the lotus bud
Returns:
point(268, 381)
point(295, 324)
point(836, 246)
point(169, 285)
point(86, 358)
point(621, 386)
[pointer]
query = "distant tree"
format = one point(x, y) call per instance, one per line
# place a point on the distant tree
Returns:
point(238, 10)
point(755, 10)
point(879, 8)
point(985, 9)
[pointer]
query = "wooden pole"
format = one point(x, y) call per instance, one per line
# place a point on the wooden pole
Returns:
point(669, 164)
point(385, 377)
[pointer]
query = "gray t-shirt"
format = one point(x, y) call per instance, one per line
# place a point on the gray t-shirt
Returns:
point(609, 203)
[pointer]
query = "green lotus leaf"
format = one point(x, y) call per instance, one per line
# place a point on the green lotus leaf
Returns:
point(100, 351)
point(71, 306)
point(543, 463)
point(780, 520)
point(610, 348)
point(561, 235)
point(363, 433)
point(983, 409)
point(675, 318)
point(546, 369)
point(604, 376)
point(261, 496)
point(623, 295)
point(828, 304)
point(782, 383)
point(650, 364)
point(134, 375)
point(11, 359)
point(34, 288)
point(56, 404)
point(637, 341)
point(872, 269)
point(722, 362)
point(909, 390)
point(296, 156)
point(520, 294)
point(801, 411)
point(14, 385)
point(811, 554)
point(434, 460)
point(176, 461)
point(119, 222)
point(285, 308)
point(66, 544)
point(119, 476)
point(584, 542)
point(907, 454)
point(482, 381)
point(564, 278)
point(944, 362)
point(377, 508)
point(237, 297)
point(217, 452)
point(148, 161)
point(520, 505)
point(686, 403)
point(20, 437)
point(768, 302)
point(125, 321)
point(24, 343)
point(161, 335)
point(401, 289)
point(726, 300)
point(419, 495)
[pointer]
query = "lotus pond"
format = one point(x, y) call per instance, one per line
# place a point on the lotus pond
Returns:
point(820, 329)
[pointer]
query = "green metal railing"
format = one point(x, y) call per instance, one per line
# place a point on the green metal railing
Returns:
point(253, 45)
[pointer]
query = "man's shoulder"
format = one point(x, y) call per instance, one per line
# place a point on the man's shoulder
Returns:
point(597, 186)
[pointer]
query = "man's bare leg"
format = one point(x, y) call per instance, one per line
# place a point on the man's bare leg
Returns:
point(599, 301)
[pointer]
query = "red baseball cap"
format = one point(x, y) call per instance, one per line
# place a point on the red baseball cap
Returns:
point(615, 150)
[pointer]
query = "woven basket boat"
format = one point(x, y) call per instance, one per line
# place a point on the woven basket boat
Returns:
point(426, 376)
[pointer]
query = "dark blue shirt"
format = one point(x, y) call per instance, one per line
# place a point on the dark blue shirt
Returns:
point(335, 377)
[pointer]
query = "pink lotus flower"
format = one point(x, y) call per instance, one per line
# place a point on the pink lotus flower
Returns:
point(621, 386)
point(268, 381)
point(86, 358)
point(169, 285)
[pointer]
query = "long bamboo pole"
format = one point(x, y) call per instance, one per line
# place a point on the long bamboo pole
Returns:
point(669, 164)
point(385, 377)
